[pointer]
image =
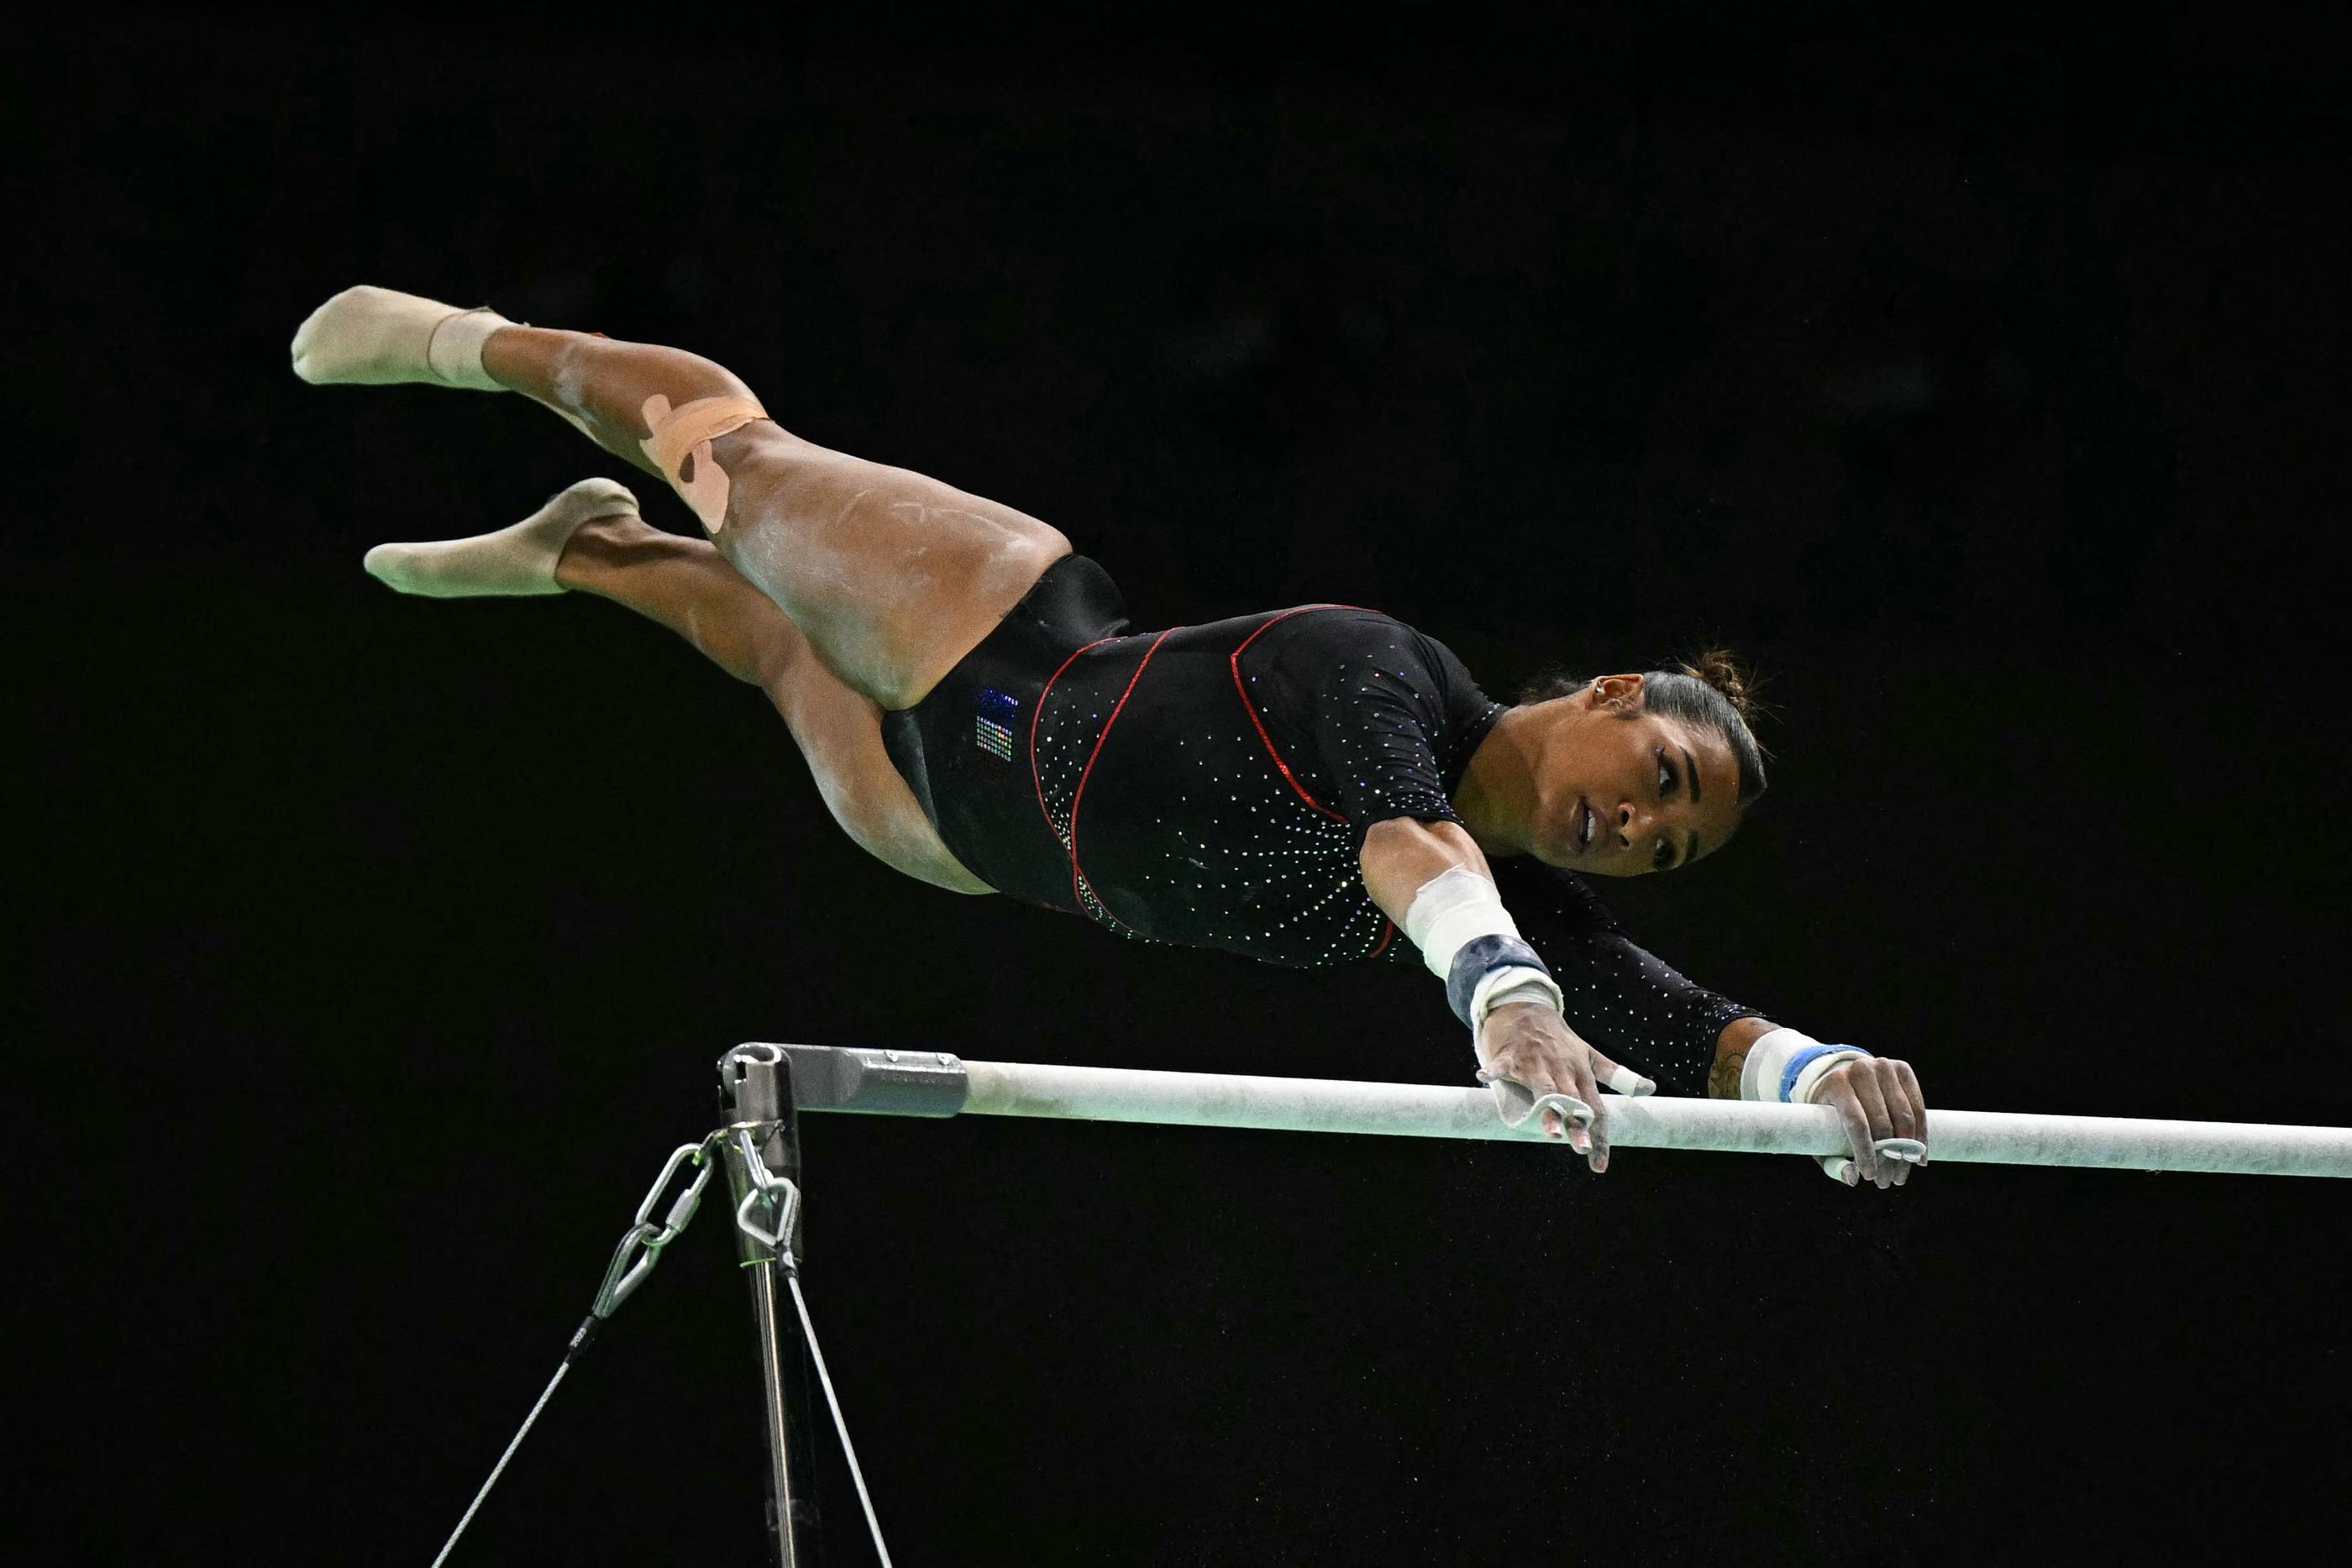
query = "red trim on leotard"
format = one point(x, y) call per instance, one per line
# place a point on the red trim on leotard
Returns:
point(1079, 887)
point(1077, 873)
point(1388, 931)
point(1036, 716)
point(1251, 709)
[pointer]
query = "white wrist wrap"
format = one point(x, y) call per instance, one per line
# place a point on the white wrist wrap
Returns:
point(1761, 1076)
point(1513, 985)
point(1453, 909)
point(1449, 911)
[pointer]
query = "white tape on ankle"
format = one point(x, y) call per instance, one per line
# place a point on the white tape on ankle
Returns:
point(679, 448)
point(454, 352)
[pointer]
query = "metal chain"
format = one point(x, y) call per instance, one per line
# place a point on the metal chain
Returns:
point(633, 1259)
point(641, 1248)
point(623, 1277)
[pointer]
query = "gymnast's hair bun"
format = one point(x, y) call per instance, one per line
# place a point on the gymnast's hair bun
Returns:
point(1717, 668)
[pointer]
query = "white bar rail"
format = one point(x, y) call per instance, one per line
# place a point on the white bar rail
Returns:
point(1656, 1122)
point(1731, 1126)
point(935, 1083)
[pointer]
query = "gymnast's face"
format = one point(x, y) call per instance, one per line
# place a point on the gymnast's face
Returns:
point(1620, 792)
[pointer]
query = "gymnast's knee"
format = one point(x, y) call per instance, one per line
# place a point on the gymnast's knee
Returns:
point(680, 443)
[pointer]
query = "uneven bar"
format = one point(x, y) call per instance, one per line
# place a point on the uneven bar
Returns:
point(1731, 1126)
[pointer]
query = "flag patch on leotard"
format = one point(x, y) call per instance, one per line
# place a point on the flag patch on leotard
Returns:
point(992, 726)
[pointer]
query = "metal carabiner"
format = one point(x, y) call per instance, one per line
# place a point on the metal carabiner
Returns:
point(628, 1270)
point(764, 1182)
point(683, 1209)
point(773, 1240)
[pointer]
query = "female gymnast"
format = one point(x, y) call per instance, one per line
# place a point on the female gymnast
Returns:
point(1298, 786)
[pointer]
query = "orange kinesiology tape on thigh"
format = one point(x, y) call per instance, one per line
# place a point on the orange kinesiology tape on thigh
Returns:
point(679, 448)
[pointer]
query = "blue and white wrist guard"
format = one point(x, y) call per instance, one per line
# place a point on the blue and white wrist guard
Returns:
point(1787, 1066)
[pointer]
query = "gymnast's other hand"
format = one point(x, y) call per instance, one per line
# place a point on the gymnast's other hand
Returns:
point(1532, 1045)
point(1876, 1097)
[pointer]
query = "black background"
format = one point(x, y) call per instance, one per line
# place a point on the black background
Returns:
point(1983, 379)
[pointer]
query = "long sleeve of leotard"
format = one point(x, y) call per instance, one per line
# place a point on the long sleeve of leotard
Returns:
point(1623, 999)
point(1396, 717)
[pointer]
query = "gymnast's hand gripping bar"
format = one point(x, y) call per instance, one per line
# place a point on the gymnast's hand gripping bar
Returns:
point(936, 1083)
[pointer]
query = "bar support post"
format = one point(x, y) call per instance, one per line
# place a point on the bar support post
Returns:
point(755, 1094)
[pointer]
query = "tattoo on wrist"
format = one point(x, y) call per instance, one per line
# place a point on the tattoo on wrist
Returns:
point(1723, 1078)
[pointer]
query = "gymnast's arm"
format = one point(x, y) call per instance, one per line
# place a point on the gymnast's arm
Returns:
point(1528, 1043)
point(1731, 1055)
point(1690, 1039)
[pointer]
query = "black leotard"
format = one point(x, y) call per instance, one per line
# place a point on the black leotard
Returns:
point(1211, 787)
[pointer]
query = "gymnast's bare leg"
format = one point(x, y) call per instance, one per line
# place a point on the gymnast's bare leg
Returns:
point(687, 586)
point(883, 578)
point(892, 577)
